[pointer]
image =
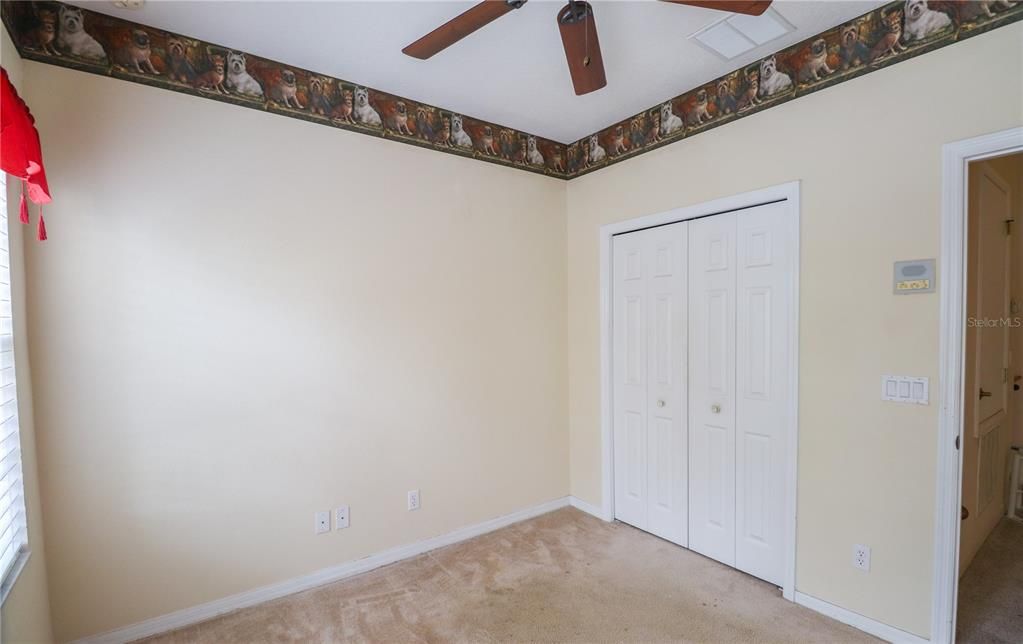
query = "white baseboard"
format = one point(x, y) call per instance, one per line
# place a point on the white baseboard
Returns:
point(203, 612)
point(865, 624)
point(588, 508)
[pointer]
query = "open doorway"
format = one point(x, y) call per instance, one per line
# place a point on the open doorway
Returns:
point(991, 531)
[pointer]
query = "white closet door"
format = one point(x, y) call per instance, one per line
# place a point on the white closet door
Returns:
point(712, 282)
point(649, 386)
point(765, 266)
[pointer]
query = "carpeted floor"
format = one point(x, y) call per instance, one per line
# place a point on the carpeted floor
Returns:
point(564, 576)
point(991, 591)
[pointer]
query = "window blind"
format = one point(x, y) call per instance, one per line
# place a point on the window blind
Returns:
point(13, 530)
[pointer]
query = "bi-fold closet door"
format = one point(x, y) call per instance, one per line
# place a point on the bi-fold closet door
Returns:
point(731, 333)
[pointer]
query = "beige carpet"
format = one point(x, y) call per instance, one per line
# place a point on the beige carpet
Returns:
point(564, 576)
point(991, 591)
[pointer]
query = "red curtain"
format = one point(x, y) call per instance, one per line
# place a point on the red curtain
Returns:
point(20, 153)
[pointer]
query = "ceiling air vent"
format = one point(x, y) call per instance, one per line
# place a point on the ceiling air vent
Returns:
point(738, 34)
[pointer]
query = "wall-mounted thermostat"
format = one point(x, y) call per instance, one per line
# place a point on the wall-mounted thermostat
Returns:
point(915, 276)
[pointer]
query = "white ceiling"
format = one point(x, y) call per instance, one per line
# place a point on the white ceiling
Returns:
point(511, 72)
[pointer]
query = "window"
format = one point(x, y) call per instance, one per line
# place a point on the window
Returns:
point(13, 530)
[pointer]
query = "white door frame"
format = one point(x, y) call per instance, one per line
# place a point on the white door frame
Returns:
point(783, 192)
point(952, 266)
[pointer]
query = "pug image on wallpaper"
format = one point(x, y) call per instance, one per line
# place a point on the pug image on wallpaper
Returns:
point(72, 37)
point(817, 63)
point(239, 80)
point(922, 21)
point(285, 90)
point(699, 112)
point(772, 81)
point(134, 54)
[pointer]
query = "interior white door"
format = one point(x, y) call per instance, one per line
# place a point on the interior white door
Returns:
point(711, 294)
point(764, 332)
point(993, 290)
point(649, 332)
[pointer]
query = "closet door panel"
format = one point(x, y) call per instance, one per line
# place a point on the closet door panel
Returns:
point(712, 274)
point(630, 378)
point(764, 270)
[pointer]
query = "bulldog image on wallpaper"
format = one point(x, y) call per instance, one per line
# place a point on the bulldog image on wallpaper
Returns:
point(179, 68)
point(135, 52)
point(72, 37)
point(772, 80)
point(922, 21)
point(239, 80)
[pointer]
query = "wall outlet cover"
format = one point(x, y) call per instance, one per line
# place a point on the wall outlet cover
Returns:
point(322, 522)
point(861, 557)
point(413, 500)
point(341, 517)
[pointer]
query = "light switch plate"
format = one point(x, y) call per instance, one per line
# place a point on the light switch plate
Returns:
point(905, 389)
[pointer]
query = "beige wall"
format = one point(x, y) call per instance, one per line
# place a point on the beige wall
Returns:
point(979, 524)
point(868, 155)
point(241, 319)
point(26, 613)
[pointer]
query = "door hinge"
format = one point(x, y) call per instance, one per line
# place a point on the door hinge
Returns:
point(957, 442)
point(1008, 226)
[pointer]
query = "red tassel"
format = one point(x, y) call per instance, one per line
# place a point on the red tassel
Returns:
point(23, 207)
point(42, 226)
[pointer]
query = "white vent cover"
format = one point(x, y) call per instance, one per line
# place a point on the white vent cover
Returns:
point(737, 34)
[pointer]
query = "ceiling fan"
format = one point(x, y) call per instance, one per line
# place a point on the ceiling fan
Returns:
point(578, 33)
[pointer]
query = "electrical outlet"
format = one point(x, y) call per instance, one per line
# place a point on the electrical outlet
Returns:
point(861, 557)
point(413, 500)
point(341, 517)
point(322, 522)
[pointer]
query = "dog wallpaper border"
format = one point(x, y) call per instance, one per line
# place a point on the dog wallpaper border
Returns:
point(77, 38)
point(74, 37)
point(880, 38)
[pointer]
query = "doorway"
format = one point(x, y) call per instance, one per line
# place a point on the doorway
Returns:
point(991, 533)
point(978, 378)
point(699, 357)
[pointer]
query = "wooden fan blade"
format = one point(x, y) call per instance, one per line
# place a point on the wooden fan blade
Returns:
point(582, 49)
point(748, 7)
point(460, 26)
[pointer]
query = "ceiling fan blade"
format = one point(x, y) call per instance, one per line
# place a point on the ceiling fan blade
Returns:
point(582, 49)
point(460, 26)
point(748, 7)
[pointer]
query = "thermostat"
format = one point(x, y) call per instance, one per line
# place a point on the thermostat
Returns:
point(916, 276)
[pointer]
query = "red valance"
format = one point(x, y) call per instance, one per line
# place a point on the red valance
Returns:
point(20, 153)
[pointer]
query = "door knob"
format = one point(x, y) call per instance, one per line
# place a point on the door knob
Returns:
point(984, 394)
point(715, 409)
point(660, 403)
